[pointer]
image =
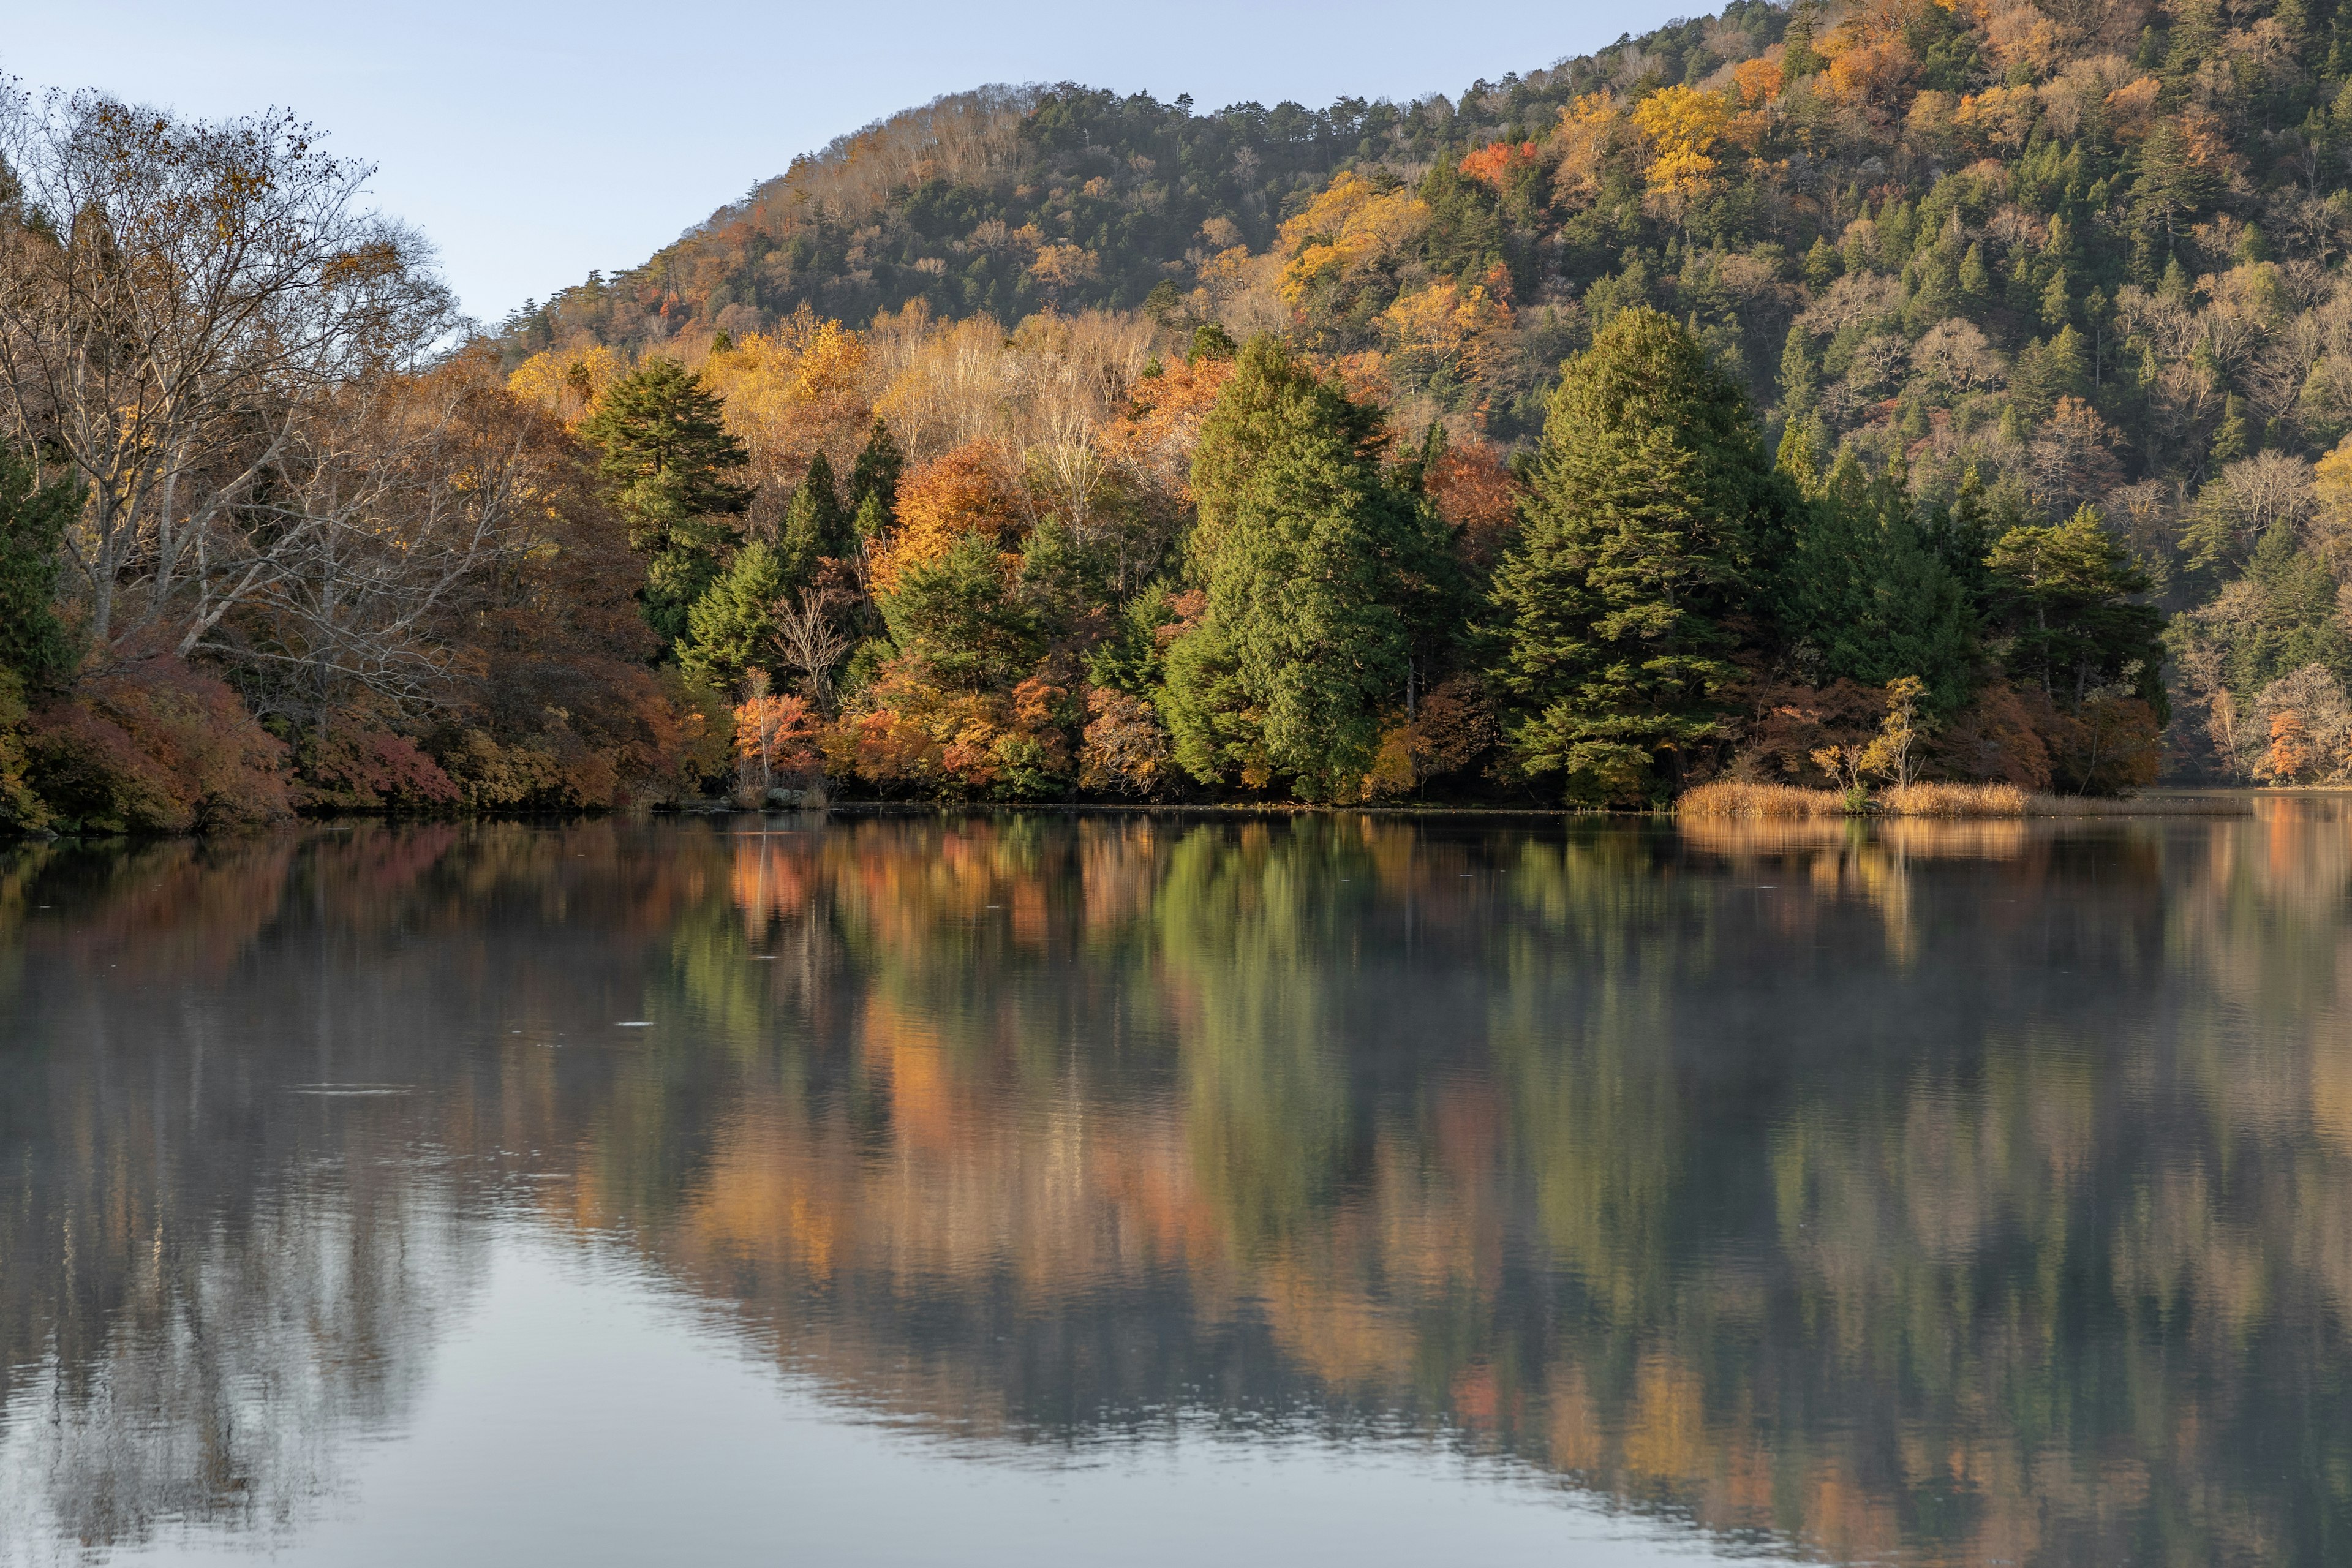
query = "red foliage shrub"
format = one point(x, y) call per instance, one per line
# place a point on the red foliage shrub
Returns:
point(155, 746)
point(373, 770)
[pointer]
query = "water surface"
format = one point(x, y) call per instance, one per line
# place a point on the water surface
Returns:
point(1021, 1189)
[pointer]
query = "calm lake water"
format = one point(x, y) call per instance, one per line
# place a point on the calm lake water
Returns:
point(1039, 1190)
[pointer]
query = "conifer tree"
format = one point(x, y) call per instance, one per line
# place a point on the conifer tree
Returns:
point(1799, 379)
point(960, 617)
point(815, 528)
point(875, 476)
point(732, 628)
point(2063, 602)
point(34, 645)
point(1650, 501)
point(1312, 559)
point(1868, 597)
point(671, 462)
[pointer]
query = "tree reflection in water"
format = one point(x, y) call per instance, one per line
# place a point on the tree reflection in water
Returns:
point(1966, 1191)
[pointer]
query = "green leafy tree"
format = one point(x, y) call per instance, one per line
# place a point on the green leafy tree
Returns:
point(671, 465)
point(2062, 605)
point(1650, 501)
point(1314, 563)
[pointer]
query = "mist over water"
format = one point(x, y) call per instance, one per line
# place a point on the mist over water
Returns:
point(1004, 1188)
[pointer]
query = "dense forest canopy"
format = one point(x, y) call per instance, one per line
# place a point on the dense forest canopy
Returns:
point(1826, 395)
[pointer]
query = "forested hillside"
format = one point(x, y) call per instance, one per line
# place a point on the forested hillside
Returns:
point(1831, 396)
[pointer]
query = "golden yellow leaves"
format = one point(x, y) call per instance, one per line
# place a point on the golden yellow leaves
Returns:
point(1760, 81)
point(964, 491)
point(1682, 126)
point(1581, 145)
point(1445, 332)
point(1062, 265)
point(1351, 223)
point(1998, 116)
point(792, 390)
point(567, 383)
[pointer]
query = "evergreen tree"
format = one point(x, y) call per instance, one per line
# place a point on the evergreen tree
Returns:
point(2062, 602)
point(1312, 561)
point(875, 476)
point(1799, 379)
point(732, 628)
point(1800, 59)
point(670, 463)
point(1650, 502)
point(815, 528)
point(2287, 617)
point(34, 645)
point(1869, 596)
point(2231, 437)
point(960, 617)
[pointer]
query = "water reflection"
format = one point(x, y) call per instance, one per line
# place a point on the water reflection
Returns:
point(1956, 1192)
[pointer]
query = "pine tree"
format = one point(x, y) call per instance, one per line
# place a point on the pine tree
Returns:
point(815, 528)
point(1650, 501)
point(731, 628)
point(2063, 601)
point(1800, 59)
point(670, 461)
point(1868, 595)
point(2231, 439)
point(1975, 278)
point(1314, 563)
point(1799, 379)
point(960, 618)
point(875, 476)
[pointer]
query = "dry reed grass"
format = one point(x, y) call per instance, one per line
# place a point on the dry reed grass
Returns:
point(1739, 798)
point(1954, 800)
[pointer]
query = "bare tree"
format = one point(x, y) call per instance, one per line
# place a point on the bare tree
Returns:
point(184, 308)
point(812, 641)
point(384, 499)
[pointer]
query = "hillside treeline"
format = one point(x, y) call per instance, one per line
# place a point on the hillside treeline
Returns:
point(1701, 408)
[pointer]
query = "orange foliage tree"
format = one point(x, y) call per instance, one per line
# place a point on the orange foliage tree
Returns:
point(963, 491)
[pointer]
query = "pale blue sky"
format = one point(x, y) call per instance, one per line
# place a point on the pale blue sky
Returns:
point(533, 141)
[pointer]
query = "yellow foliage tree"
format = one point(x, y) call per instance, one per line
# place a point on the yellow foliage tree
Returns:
point(1682, 125)
point(790, 393)
point(1581, 144)
point(965, 491)
point(1446, 333)
point(568, 382)
point(1352, 223)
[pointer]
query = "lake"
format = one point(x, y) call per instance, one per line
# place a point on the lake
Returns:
point(1039, 1189)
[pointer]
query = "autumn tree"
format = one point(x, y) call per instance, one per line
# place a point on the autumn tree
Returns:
point(1650, 507)
point(182, 305)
